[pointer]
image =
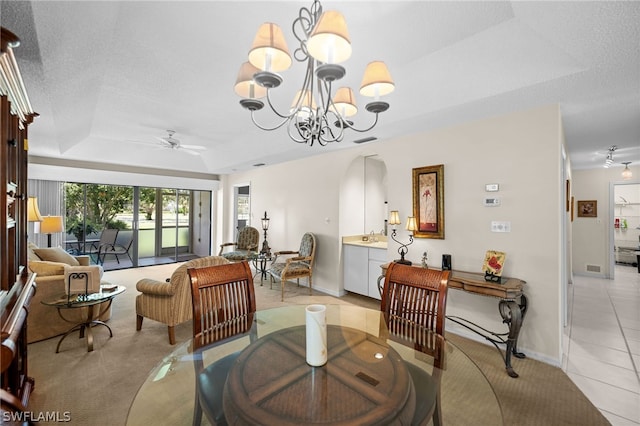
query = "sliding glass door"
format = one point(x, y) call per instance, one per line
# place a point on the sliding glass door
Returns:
point(155, 225)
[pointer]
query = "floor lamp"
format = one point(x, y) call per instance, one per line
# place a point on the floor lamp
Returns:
point(266, 250)
point(51, 225)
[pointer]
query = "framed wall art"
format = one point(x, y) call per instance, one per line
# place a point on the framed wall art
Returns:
point(572, 209)
point(588, 208)
point(428, 201)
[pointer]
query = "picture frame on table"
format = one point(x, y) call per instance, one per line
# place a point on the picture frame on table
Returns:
point(428, 201)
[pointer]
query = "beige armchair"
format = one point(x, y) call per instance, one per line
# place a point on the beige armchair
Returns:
point(248, 240)
point(294, 264)
point(169, 302)
point(43, 322)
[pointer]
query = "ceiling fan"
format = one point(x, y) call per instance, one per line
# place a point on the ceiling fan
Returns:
point(173, 143)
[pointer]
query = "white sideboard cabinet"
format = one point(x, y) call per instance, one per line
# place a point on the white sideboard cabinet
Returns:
point(361, 269)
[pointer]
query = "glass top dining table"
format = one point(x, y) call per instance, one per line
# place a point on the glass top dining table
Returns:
point(167, 395)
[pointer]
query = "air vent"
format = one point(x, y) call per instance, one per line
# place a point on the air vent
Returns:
point(258, 165)
point(363, 140)
point(593, 268)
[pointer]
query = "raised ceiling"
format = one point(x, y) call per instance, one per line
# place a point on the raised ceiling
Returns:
point(107, 75)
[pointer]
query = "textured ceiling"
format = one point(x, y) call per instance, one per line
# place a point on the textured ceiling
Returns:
point(104, 74)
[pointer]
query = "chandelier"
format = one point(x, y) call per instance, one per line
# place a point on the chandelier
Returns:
point(315, 116)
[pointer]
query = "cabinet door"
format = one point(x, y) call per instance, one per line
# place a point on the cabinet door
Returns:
point(375, 271)
point(355, 268)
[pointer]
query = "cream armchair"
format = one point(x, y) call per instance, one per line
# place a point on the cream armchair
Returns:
point(169, 302)
point(43, 322)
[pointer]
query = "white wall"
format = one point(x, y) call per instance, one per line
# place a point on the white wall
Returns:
point(593, 237)
point(519, 151)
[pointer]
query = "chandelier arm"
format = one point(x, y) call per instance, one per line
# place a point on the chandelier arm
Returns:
point(275, 111)
point(349, 126)
point(333, 137)
point(261, 127)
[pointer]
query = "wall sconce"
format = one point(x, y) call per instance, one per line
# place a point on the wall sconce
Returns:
point(266, 250)
point(394, 219)
point(33, 212)
point(627, 173)
point(51, 225)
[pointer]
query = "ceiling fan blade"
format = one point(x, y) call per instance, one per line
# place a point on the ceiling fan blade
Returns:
point(196, 147)
point(141, 142)
point(188, 151)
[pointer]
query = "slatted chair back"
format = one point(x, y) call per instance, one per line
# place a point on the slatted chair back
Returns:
point(415, 296)
point(224, 302)
point(414, 302)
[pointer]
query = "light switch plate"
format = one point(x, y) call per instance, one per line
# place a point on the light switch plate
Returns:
point(492, 187)
point(497, 226)
point(491, 202)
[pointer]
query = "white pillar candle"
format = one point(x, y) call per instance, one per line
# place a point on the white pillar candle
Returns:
point(316, 328)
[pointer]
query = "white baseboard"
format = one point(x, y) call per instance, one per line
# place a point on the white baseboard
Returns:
point(461, 331)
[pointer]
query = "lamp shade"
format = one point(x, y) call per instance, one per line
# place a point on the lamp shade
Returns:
point(33, 213)
point(51, 225)
point(344, 102)
point(329, 41)
point(265, 222)
point(377, 80)
point(411, 224)
point(394, 217)
point(245, 86)
point(269, 51)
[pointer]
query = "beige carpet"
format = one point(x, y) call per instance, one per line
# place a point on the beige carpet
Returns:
point(96, 388)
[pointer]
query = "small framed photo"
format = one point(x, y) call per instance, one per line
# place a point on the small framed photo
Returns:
point(588, 208)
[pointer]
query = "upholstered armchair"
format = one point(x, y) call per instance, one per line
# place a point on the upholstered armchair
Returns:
point(294, 264)
point(169, 302)
point(248, 239)
point(43, 322)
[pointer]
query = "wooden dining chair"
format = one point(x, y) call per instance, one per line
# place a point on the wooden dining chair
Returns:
point(413, 304)
point(224, 306)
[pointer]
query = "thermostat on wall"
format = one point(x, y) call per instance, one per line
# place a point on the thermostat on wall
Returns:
point(492, 202)
point(492, 187)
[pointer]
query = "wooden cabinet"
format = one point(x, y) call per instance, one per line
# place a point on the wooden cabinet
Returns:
point(361, 269)
point(17, 286)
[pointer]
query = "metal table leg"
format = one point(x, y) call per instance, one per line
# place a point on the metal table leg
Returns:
point(512, 314)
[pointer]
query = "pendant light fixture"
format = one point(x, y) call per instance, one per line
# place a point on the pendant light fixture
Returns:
point(627, 174)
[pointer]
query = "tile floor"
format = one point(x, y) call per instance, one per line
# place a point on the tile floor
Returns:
point(603, 343)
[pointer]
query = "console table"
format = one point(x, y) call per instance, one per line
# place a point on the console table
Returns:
point(512, 307)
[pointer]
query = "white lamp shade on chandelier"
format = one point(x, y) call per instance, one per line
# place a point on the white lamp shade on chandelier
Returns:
point(377, 80)
point(329, 41)
point(245, 86)
point(318, 115)
point(269, 50)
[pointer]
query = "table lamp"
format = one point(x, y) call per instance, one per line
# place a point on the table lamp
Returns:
point(394, 219)
point(50, 225)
